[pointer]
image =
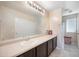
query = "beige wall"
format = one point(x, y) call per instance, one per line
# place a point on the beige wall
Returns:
point(56, 26)
point(55, 20)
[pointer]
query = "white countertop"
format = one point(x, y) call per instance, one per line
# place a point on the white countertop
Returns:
point(19, 47)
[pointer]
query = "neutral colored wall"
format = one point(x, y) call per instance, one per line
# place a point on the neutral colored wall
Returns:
point(56, 26)
point(55, 20)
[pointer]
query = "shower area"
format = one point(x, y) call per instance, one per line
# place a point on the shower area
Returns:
point(71, 29)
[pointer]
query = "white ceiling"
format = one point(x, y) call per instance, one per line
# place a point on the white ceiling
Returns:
point(68, 6)
point(48, 5)
point(51, 5)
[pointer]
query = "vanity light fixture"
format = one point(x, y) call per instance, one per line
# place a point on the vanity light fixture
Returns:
point(36, 7)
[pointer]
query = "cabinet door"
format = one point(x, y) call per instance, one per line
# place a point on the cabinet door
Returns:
point(30, 53)
point(54, 43)
point(42, 50)
point(50, 47)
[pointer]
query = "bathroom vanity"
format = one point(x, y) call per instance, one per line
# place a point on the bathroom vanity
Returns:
point(41, 46)
point(42, 50)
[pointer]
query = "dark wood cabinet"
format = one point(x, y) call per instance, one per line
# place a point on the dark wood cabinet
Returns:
point(42, 50)
point(30, 53)
point(54, 42)
point(50, 47)
point(53, 45)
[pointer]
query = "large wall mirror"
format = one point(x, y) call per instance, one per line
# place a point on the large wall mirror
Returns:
point(17, 20)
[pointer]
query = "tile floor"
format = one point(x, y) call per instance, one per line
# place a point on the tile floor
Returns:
point(69, 51)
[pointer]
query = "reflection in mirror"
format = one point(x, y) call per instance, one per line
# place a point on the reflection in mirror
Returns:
point(18, 20)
